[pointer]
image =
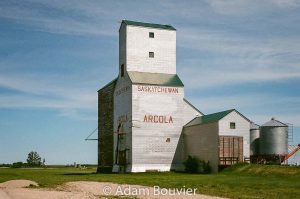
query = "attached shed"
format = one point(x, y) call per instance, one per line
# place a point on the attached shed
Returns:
point(220, 138)
point(106, 126)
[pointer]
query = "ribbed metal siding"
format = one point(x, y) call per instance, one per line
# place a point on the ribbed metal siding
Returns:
point(254, 141)
point(273, 140)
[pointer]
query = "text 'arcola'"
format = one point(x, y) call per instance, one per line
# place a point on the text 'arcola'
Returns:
point(158, 119)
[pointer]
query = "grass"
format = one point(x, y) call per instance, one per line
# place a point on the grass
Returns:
point(241, 181)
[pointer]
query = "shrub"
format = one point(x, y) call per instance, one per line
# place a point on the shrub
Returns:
point(17, 165)
point(204, 167)
point(193, 165)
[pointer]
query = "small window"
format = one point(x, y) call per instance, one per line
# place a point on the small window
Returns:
point(232, 125)
point(151, 54)
point(168, 140)
point(122, 70)
point(151, 34)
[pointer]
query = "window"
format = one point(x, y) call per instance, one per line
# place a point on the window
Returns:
point(151, 54)
point(122, 70)
point(232, 125)
point(151, 34)
point(168, 140)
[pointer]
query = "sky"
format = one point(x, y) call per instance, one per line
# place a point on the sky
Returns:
point(55, 55)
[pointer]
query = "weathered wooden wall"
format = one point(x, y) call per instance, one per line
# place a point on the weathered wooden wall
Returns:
point(123, 123)
point(230, 150)
point(105, 127)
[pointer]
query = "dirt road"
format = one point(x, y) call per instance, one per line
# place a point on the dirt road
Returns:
point(25, 189)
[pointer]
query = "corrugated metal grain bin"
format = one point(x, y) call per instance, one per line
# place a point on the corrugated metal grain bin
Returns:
point(254, 139)
point(273, 138)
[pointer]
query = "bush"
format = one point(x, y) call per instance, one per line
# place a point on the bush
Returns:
point(204, 167)
point(193, 165)
point(5, 165)
point(17, 165)
point(104, 169)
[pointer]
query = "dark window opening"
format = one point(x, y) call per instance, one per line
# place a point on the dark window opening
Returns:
point(232, 125)
point(151, 34)
point(151, 54)
point(122, 70)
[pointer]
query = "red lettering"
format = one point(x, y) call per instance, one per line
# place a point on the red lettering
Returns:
point(153, 89)
point(155, 119)
point(161, 119)
point(150, 118)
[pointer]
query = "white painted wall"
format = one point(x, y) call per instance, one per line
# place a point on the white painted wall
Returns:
point(150, 151)
point(137, 43)
point(242, 129)
point(190, 112)
point(122, 46)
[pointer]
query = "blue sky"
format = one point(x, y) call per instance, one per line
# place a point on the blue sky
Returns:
point(55, 55)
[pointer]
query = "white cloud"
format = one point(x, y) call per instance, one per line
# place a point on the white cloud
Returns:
point(256, 106)
point(235, 59)
point(76, 17)
point(286, 3)
point(69, 96)
point(253, 7)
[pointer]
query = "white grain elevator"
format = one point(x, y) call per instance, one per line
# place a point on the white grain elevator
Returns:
point(142, 113)
point(146, 102)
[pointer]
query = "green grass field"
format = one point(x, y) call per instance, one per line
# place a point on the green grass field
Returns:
point(242, 181)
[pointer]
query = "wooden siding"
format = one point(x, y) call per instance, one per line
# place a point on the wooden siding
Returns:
point(138, 45)
point(190, 112)
point(105, 128)
point(122, 125)
point(154, 142)
point(230, 149)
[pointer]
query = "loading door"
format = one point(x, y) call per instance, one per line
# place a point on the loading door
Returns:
point(230, 150)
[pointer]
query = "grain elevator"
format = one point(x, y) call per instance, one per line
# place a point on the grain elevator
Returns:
point(142, 113)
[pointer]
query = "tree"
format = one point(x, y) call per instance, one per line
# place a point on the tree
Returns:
point(34, 159)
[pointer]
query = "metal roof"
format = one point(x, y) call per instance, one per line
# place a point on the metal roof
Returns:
point(253, 126)
point(214, 117)
point(274, 122)
point(114, 81)
point(149, 25)
point(205, 119)
point(161, 79)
